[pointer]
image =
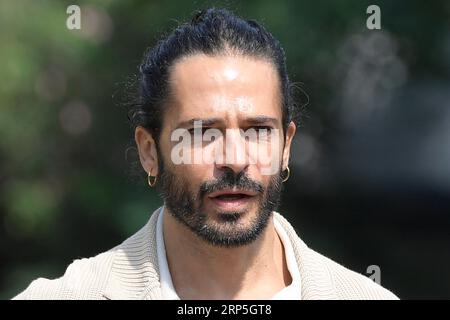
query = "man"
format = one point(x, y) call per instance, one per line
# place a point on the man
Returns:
point(213, 125)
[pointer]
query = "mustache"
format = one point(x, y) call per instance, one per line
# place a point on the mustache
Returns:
point(230, 180)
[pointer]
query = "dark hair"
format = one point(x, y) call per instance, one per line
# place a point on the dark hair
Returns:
point(212, 32)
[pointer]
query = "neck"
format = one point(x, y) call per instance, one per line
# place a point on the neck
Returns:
point(200, 270)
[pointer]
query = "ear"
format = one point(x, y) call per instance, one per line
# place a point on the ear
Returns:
point(290, 132)
point(148, 153)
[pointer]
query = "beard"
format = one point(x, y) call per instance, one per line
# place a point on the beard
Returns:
point(229, 231)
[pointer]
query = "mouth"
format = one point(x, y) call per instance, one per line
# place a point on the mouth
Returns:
point(232, 199)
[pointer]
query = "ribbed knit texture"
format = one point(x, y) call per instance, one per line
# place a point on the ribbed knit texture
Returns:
point(130, 271)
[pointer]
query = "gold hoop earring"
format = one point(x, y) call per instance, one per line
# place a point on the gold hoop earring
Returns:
point(288, 174)
point(151, 182)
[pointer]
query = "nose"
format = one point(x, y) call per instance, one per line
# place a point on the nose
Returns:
point(235, 155)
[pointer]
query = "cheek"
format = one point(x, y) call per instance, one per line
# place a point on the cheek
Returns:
point(266, 180)
point(192, 174)
point(268, 155)
point(182, 163)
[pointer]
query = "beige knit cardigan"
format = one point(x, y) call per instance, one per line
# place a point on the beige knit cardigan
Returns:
point(130, 271)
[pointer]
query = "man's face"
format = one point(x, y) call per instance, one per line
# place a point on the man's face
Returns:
point(224, 198)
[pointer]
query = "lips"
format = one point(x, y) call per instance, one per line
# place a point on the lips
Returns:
point(232, 199)
point(232, 192)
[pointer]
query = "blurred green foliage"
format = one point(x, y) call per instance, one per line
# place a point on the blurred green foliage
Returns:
point(65, 187)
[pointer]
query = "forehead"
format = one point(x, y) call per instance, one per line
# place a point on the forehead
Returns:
point(229, 87)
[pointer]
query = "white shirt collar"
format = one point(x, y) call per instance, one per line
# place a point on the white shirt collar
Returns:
point(291, 292)
point(167, 289)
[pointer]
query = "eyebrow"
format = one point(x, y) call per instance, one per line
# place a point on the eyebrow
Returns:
point(255, 120)
point(205, 122)
point(258, 120)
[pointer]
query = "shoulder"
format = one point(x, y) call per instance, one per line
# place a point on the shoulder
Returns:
point(83, 279)
point(122, 272)
point(350, 285)
point(323, 278)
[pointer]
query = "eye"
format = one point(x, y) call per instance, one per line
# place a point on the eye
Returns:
point(192, 130)
point(267, 129)
point(262, 132)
